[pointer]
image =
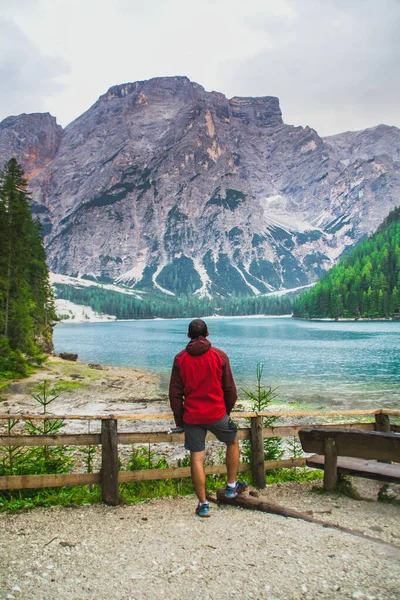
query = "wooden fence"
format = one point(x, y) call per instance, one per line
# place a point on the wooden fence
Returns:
point(109, 476)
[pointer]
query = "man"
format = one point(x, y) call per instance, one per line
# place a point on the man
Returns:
point(202, 393)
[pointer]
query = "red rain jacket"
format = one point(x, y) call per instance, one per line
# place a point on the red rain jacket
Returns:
point(201, 389)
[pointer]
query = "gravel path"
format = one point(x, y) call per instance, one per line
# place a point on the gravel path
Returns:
point(159, 549)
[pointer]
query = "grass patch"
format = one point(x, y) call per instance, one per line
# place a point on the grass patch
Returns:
point(300, 474)
point(131, 493)
point(63, 385)
point(64, 496)
point(295, 405)
point(139, 491)
point(66, 369)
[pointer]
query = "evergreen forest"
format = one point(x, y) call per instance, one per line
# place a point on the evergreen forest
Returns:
point(126, 306)
point(26, 301)
point(364, 284)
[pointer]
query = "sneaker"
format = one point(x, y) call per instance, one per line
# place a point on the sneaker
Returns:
point(203, 510)
point(241, 486)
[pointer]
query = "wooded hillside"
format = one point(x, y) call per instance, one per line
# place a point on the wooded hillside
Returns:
point(151, 305)
point(366, 283)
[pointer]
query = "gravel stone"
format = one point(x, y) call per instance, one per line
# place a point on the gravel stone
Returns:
point(160, 549)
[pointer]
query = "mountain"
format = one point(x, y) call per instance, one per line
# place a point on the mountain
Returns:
point(32, 139)
point(163, 185)
point(366, 283)
point(382, 141)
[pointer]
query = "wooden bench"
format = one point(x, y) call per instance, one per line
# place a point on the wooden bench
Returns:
point(352, 452)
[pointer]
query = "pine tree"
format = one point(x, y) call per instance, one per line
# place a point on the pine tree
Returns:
point(26, 304)
point(43, 310)
point(17, 320)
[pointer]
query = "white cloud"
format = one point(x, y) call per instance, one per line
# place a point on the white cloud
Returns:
point(334, 66)
point(334, 63)
point(27, 76)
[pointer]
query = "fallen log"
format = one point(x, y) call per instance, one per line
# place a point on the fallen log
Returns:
point(263, 505)
point(251, 503)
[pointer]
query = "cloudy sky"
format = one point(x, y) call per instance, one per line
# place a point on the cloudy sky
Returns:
point(334, 64)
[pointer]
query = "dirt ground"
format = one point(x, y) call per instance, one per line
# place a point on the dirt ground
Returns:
point(160, 549)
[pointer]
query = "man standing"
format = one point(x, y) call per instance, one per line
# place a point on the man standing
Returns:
point(202, 393)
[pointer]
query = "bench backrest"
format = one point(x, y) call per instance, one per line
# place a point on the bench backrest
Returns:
point(371, 445)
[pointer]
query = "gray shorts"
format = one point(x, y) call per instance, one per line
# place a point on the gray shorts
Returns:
point(195, 435)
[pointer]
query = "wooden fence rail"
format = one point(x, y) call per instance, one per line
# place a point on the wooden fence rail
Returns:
point(94, 439)
point(235, 415)
point(110, 477)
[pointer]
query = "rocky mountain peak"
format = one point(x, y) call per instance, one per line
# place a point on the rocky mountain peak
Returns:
point(382, 140)
point(264, 110)
point(33, 139)
point(159, 90)
point(155, 89)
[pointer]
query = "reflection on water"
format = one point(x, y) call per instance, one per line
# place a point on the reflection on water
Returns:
point(330, 364)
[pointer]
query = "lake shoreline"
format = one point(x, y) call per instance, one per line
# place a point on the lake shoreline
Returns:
point(102, 318)
point(348, 319)
point(87, 390)
point(152, 319)
point(347, 364)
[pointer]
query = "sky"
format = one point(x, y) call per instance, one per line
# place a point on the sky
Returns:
point(334, 64)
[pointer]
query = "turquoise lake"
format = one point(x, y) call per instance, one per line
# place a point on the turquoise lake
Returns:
point(324, 364)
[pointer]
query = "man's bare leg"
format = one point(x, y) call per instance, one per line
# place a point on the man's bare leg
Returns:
point(198, 474)
point(232, 460)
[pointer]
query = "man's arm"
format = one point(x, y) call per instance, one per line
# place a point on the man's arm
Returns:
point(176, 394)
point(228, 385)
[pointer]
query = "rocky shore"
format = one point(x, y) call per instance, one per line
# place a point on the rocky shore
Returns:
point(86, 390)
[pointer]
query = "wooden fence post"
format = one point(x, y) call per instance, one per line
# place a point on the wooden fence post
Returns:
point(330, 467)
point(109, 462)
point(382, 423)
point(257, 452)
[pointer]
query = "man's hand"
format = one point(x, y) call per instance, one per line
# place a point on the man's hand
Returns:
point(176, 430)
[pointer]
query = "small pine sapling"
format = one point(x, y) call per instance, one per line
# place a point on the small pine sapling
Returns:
point(45, 459)
point(11, 457)
point(261, 399)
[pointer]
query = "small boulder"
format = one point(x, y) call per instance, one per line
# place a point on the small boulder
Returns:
point(68, 356)
point(390, 493)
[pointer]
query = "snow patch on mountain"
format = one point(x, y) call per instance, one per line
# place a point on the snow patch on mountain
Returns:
point(134, 274)
point(279, 213)
point(253, 289)
point(78, 313)
point(157, 285)
point(204, 290)
point(56, 278)
point(291, 290)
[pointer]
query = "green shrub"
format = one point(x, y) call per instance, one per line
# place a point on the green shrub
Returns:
point(12, 362)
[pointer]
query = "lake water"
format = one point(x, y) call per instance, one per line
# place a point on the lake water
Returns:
point(324, 364)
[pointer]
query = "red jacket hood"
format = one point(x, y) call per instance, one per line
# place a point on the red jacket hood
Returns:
point(198, 346)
